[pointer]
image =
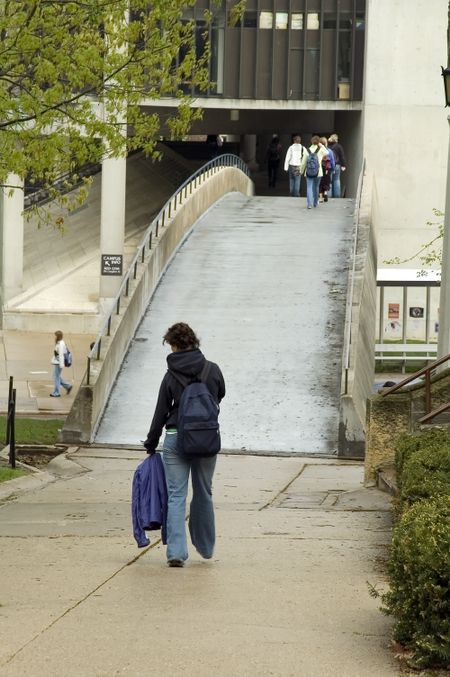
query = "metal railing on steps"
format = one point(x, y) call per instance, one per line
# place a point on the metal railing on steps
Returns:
point(427, 373)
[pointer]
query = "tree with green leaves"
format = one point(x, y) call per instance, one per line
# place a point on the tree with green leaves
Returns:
point(73, 75)
point(430, 253)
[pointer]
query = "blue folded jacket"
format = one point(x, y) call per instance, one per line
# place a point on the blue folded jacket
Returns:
point(149, 500)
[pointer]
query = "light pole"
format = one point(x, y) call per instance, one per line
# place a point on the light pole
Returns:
point(444, 296)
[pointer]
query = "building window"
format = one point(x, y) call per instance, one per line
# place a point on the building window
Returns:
point(265, 19)
point(250, 19)
point(296, 22)
point(281, 20)
point(312, 21)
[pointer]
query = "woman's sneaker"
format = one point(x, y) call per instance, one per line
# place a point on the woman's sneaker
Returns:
point(175, 563)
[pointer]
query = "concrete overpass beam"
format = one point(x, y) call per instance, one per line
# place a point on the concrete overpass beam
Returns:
point(11, 244)
point(112, 225)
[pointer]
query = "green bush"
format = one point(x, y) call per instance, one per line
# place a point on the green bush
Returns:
point(426, 474)
point(407, 445)
point(419, 576)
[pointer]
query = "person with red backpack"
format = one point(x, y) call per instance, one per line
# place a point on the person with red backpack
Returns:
point(187, 407)
point(327, 169)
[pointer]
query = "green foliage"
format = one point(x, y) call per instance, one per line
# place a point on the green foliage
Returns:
point(33, 430)
point(426, 474)
point(419, 575)
point(419, 568)
point(428, 255)
point(407, 445)
point(73, 76)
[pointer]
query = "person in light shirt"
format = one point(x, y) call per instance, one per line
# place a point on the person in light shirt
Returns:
point(295, 163)
point(58, 364)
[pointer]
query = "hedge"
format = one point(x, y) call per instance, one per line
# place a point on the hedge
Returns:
point(407, 445)
point(419, 574)
point(419, 568)
point(426, 474)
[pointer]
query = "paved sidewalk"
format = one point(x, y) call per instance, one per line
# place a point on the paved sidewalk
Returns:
point(285, 595)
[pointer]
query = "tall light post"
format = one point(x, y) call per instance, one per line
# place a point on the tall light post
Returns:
point(444, 296)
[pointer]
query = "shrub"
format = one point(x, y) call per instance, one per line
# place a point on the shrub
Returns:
point(407, 445)
point(426, 474)
point(419, 576)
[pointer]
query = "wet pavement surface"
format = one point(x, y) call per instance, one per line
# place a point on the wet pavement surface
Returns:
point(263, 283)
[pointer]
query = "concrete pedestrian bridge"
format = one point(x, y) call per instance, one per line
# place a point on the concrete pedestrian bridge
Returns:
point(263, 282)
point(282, 297)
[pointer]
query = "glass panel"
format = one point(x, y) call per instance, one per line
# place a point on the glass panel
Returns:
point(329, 21)
point(296, 22)
point(250, 19)
point(312, 22)
point(345, 21)
point(217, 58)
point(312, 74)
point(281, 20)
point(266, 20)
point(344, 56)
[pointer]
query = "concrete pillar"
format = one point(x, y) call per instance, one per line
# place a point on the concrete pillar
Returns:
point(112, 225)
point(249, 151)
point(11, 238)
point(444, 296)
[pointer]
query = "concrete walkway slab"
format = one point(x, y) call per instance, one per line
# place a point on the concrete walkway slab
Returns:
point(285, 594)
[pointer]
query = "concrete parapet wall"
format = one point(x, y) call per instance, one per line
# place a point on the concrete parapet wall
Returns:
point(390, 416)
point(357, 379)
point(91, 399)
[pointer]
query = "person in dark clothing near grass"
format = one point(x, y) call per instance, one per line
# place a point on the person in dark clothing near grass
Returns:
point(188, 361)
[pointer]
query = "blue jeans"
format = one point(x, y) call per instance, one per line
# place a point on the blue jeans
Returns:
point(58, 380)
point(336, 181)
point(294, 183)
point(312, 190)
point(201, 514)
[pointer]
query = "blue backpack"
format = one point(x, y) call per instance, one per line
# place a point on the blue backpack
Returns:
point(198, 433)
point(67, 358)
point(312, 165)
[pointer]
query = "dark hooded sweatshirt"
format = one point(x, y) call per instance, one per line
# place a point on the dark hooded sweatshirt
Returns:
point(188, 363)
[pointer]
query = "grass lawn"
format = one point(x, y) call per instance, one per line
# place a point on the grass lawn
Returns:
point(10, 473)
point(33, 430)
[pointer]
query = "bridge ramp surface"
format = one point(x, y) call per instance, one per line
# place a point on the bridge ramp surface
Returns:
point(262, 281)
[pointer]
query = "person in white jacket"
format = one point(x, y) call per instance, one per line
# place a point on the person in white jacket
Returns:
point(295, 163)
point(58, 365)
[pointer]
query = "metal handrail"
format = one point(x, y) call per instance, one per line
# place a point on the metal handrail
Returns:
point(427, 383)
point(349, 308)
point(183, 192)
point(11, 423)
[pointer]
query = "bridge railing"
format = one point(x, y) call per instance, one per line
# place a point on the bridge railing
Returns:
point(350, 294)
point(183, 192)
point(425, 375)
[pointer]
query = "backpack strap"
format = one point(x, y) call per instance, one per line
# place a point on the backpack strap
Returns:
point(205, 372)
point(178, 377)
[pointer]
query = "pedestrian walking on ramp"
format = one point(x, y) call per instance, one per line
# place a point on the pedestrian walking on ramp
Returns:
point(187, 407)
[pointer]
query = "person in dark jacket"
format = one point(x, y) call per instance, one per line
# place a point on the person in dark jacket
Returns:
point(273, 160)
point(187, 360)
point(339, 164)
